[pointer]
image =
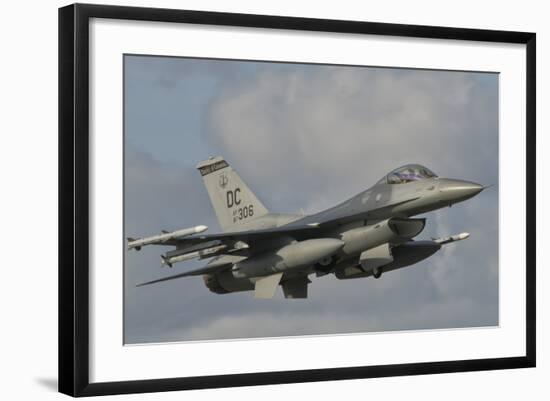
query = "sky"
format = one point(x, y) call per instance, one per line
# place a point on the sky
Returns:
point(305, 137)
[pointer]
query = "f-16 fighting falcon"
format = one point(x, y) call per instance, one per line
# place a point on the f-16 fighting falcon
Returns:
point(367, 235)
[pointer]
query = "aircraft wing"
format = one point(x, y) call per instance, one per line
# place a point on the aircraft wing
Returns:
point(299, 229)
point(245, 236)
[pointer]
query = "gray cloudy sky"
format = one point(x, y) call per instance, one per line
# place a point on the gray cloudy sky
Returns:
point(306, 137)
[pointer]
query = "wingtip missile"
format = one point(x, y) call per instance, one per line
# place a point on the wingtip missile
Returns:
point(165, 236)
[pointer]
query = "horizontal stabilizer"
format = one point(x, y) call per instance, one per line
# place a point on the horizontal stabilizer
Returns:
point(197, 272)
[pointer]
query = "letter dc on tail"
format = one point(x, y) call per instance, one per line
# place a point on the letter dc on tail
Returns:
point(367, 235)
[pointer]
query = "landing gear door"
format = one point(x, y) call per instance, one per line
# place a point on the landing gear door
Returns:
point(374, 258)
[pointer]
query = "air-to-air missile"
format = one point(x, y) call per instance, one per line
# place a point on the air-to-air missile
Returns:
point(452, 238)
point(164, 237)
point(201, 254)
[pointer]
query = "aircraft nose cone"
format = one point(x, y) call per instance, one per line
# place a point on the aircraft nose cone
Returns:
point(458, 190)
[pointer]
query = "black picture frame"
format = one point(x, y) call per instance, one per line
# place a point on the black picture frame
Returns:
point(74, 198)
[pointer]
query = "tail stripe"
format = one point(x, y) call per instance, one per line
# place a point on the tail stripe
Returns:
point(213, 167)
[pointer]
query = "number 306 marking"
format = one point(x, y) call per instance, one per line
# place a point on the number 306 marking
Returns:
point(244, 212)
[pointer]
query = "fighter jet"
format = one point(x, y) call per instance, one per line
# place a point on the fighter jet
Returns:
point(367, 235)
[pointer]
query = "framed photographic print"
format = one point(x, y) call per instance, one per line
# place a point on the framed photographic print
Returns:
point(296, 199)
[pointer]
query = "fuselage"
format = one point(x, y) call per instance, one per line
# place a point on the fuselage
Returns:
point(379, 202)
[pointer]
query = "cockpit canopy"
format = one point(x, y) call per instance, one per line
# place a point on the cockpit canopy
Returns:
point(408, 173)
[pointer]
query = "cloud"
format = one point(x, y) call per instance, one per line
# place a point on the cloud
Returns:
point(312, 128)
point(263, 325)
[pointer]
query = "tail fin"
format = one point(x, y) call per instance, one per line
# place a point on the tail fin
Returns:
point(232, 200)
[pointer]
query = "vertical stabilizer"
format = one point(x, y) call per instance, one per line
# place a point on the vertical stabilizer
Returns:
point(232, 200)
